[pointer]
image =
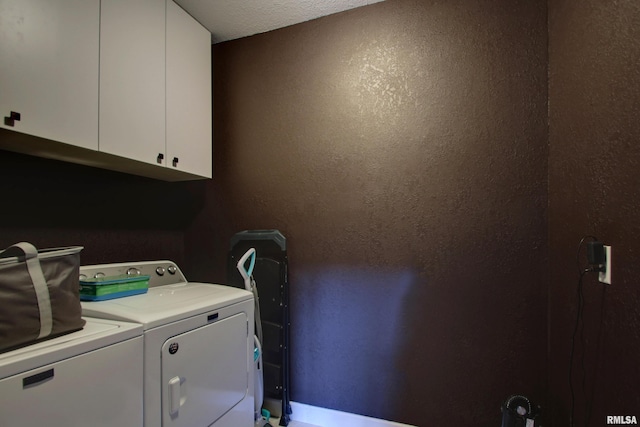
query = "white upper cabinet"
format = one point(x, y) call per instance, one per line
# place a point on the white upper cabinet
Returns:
point(189, 118)
point(49, 69)
point(132, 79)
point(116, 84)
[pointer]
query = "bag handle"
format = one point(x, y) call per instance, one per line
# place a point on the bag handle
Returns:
point(30, 254)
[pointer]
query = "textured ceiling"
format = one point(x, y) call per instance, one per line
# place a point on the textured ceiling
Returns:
point(232, 19)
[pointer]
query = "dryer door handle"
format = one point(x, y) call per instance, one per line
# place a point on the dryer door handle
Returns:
point(174, 395)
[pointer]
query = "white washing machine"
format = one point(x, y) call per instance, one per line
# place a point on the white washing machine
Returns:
point(90, 377)
point(198, 345)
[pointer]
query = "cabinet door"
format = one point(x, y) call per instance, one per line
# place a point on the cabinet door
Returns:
point(132, 79)
point(49, 68)
point(189, 130)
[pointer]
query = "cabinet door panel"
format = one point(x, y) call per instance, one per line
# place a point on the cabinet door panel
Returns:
point(49, 68)
point(132, 79)
point(189, 131)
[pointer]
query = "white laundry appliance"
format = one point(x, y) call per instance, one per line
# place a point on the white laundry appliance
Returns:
point(90, 377)
point(198, 345)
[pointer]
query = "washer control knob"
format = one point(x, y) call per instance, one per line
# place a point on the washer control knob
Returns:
point(133, 272)
point(83, 276)
point(172, 269)
point(98, 275)
point(160, 271)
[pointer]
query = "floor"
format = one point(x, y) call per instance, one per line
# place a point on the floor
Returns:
point(275, 422)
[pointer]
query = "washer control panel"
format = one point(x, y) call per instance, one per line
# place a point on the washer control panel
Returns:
point(160, 272)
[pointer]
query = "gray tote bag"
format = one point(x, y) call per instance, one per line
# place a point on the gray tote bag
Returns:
point(39, 294)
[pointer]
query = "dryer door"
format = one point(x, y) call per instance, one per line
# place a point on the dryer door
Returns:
point(204, 373)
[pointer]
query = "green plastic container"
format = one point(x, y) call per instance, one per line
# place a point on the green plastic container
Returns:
point(110, 287)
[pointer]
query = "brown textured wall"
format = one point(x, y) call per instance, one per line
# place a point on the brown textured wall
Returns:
point(594, 177)
point(116, 217)
point(401, 149)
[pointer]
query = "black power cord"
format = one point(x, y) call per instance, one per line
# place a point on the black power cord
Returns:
point(573, 344)
point(595, 256)
point(598, 354)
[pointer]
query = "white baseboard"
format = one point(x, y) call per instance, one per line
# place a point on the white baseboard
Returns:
point(330, 418)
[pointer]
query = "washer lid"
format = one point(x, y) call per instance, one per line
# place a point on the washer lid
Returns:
point(166, 304)
point(97, 333)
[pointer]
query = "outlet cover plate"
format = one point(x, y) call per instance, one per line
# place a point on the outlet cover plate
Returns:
point(605, 276)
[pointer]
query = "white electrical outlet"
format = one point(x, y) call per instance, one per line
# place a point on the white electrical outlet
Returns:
point(605, 276)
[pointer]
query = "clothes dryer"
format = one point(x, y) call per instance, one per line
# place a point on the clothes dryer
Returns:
point(198, 345)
